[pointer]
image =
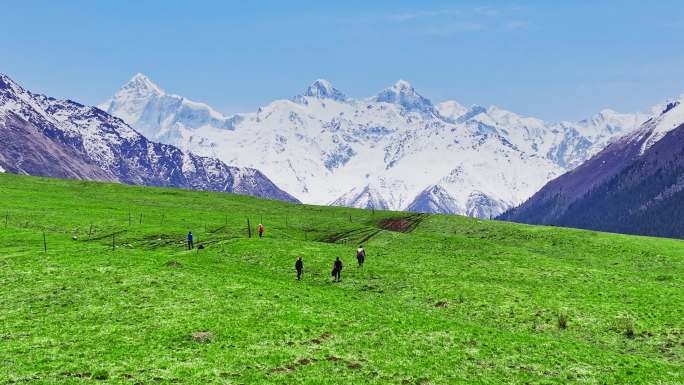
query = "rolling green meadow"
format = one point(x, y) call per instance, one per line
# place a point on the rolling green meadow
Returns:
point(98, 287)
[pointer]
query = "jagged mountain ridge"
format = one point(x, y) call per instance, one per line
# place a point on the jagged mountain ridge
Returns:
point(62, 138)
point(635, 185)
point(386, 151)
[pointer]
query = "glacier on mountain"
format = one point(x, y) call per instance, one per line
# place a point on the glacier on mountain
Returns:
point(396, 150)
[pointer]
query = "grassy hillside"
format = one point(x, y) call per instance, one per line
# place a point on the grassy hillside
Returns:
point(455, 300)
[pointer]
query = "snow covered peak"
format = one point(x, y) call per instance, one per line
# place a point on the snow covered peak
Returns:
point(403, 94)
point(323, 89)
point(608, 122)
point(141, 85)
point(5, 80)
point(664, 118)
point(671, 116)
point(605, 115)
point(402, 84)
point(606, 112)
point(518, 129)
point(7, 83)
point(159, 115)
point(451, 110)
point(472, 112)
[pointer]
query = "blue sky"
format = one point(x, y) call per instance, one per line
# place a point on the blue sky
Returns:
point(551, 59)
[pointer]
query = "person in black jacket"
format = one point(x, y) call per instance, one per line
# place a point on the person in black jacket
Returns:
point(299, 266)
point(337, 269)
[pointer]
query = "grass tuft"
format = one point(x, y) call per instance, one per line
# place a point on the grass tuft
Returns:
point(625, 324)
point(562, 319)
point(101, 375)
point(173, 263)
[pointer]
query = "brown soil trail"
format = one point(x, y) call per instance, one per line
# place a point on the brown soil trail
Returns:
point(402, 224)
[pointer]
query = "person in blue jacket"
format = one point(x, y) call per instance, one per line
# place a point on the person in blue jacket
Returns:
point(190, 245)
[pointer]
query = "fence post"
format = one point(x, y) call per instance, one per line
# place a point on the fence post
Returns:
point(44, 243)
point(249, 229)
point(113, 241)
point(140, 219)
point(90, 232)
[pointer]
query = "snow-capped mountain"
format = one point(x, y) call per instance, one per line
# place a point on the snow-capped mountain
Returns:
point(634, 185)
point(142, 104)
point(322, 88)
point(403, 94)
point(395, 150)
point(61, 138)
point(567, 144)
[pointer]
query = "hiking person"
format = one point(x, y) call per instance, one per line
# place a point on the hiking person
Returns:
point(190, 245)
point(360, 255)
point(337, 269)
point(299, 266)
point(261, 230)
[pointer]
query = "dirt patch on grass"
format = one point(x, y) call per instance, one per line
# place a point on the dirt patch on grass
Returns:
point(279, 369)
point(353, 365)
point(402, 224)
point(203, 337)
point(320, 339)
point(100, 375)
point(349, 364)
point(293, 367)
point(442, 304)
point(77, 374)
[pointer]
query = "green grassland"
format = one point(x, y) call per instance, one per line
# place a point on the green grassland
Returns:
point(454, 300)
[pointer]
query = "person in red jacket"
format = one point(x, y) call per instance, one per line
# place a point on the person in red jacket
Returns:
point(261, 230)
